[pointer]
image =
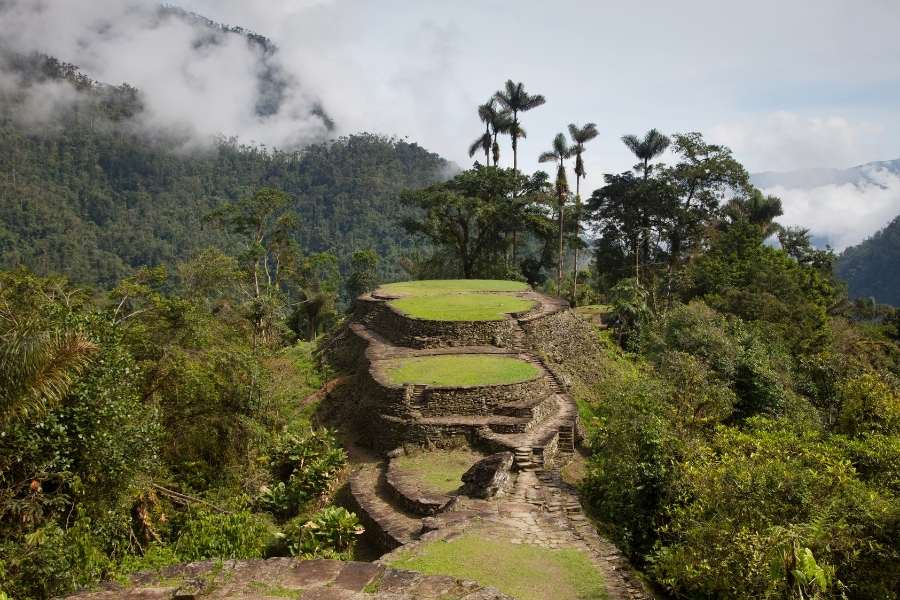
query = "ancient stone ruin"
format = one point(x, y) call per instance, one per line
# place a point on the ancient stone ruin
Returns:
point(533, 422)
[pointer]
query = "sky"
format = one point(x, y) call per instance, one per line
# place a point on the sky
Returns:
point(787, 84)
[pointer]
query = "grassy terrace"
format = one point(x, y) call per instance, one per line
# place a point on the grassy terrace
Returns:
point(461, 307)
point(457, 299)
point(459, 369)
point(522, 571)
point(430, 287)
point(438, 472)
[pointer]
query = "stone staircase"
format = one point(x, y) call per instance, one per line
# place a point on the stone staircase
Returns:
point(415, 395)
point(387, 523)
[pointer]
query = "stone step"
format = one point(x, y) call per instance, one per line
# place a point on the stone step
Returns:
point(387, 525)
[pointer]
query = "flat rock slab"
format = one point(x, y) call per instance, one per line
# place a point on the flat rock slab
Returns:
point(292, 578)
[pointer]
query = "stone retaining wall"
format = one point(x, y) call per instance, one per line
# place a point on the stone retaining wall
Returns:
point(479, 400)
point(409, 495)
point(403, 330)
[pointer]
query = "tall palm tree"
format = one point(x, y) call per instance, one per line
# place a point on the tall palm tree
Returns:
point(580, 136)
point(560, 153)
point(487, 113)
point(483, 143)
point(757, 209)
point(645, 149)
point(501, 122)
point(515, 99)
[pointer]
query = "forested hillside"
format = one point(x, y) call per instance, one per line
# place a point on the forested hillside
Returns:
point(872, 269)
point(92, 195)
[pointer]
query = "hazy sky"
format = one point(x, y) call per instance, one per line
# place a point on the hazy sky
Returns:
point(786, 83)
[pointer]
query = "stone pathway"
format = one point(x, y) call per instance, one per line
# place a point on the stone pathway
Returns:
point(292, 578)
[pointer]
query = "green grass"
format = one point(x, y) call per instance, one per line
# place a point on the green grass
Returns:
point(589, 310)
point(522, 571)
point(438, 472)
point(459, 370)
point(461, 307)
point(449, 286)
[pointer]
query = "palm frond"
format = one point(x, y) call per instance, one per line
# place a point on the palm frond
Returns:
point(37, 367)
point(547, 157)
point(584, 134)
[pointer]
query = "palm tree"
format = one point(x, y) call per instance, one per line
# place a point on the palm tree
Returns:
point(559, 154)
point(758, 210)
point(487, 112)
point(38, 365)
point(580, 136)
point(645, 149)
point(483, 144)
point(501, 122)
point(515, 99)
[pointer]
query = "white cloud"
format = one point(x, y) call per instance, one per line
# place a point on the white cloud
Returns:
point(191, 80)
point(844, 214)
point(784, 141)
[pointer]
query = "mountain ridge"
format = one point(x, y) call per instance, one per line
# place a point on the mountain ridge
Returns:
point(818, 177)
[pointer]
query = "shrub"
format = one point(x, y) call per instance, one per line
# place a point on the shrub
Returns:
point(304, 468)
point(869, 404)
point(754, 506)
point(202, 535)
point(633, 464)
point(330, 533)
point(51, 561)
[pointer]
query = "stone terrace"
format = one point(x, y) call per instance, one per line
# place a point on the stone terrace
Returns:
point(536, 421)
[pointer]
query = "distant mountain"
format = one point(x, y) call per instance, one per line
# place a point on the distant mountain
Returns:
point(872, 269)
point(93, 197)
point(806, 179)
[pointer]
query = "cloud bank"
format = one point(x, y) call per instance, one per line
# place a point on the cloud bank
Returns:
point(846, 214)
point(194, 78)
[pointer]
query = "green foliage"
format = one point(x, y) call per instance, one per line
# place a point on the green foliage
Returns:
point(867, 267)
point(330, 533)
point(634, 462)
point(741, 276)
point(52, 560)
point(869, 405)
point(173, 393)
point(784, 509)
point(93, 198)
point(363, 276)
point(201, 535)
point(304, 467)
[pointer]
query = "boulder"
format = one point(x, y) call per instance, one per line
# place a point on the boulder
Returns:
point(487, 477)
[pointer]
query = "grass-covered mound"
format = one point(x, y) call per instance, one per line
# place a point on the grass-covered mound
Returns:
point(459, 370)
point(522, 571)
point(427, 287)
point(461, 307)
point(437, 472)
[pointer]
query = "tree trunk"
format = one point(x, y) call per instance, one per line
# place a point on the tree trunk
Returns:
point(575, 245)
point(559, 263)
point(515, 141)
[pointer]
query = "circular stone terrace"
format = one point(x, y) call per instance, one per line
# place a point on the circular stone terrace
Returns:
point(457, 370)
point(457, 300)
point(449, 374)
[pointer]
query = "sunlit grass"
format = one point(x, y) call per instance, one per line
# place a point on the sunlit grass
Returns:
point(445, 286)
point(523, 571)
point(459, 370)
point(438, 472)
point(461, 307)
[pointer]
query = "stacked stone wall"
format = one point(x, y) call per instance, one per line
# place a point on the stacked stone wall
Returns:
point(402, 330)
point(479, 400)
